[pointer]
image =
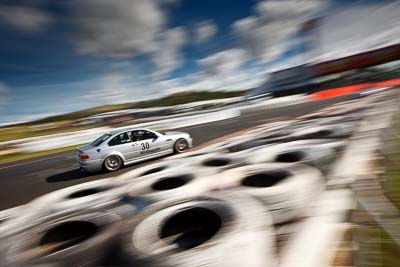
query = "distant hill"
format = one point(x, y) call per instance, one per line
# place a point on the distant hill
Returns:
point(170, 100)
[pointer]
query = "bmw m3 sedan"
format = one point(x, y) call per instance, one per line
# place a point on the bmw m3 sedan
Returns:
point(115, 149)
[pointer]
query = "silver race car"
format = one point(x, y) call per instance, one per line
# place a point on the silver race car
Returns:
point(115, 149)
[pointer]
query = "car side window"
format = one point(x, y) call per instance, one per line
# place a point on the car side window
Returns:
point(149, 135)
point(141, 135)
point(120, 139)
point(136, 136)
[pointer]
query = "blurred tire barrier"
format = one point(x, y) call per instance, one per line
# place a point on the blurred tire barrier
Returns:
point(284, 233)
point(221, 229)
point(303, 152)
point(241, 145)
point(65, 241)
point(189, 155)
point(323, 232)
point(342, 130)
point(100, 194)
point(220, 146)
point(172, 216)
point(14, 221)
point(329, 120)
point(7, 229)
point(275, 136)
point(286, 189)
point(186, 182)
point(249, 144)
point(274, 127)
point(335, 144)
point(9, 214)
point(151, 169)
point(215, 162)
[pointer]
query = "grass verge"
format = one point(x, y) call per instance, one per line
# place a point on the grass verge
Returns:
point(21, 156)
point(376, 247)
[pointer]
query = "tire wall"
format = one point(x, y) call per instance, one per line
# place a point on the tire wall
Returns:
point(251, 189)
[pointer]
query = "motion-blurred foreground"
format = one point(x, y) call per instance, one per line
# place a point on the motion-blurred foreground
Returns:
point(277, 195)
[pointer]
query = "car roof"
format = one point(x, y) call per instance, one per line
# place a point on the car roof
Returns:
point(127, 129)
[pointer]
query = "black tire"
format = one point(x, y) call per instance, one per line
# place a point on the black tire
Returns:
point(66, 240)
point(209, 229)
point(149, 170)
point(310, 152)
point(103, 192)
point(180, 145)
point(113, 163)
point(287, 189)
point(173, 184)
point(216, 162)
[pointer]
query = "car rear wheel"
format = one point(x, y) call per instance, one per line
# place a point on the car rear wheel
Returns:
point(180, 145)
point(112, 163)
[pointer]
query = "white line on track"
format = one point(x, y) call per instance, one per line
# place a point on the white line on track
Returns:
point(33, 161)
point(38, 173)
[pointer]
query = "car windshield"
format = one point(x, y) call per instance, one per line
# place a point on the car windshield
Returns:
point(100, 140)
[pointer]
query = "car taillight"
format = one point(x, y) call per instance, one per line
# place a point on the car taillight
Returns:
point(84, 156)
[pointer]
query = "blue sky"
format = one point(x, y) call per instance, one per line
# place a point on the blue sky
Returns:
point(66, 55)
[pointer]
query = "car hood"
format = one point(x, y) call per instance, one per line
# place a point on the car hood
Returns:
point(173, 133)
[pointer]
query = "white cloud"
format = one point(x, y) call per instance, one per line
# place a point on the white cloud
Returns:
point(235, 79)
point(221, 71)
point(119, 87)
point(223, 61)
point(118, 28)
point(266, 34)
point(110, 89)
point(168, 56)
point(126, 29)
point(25, 19)
point(123, 87)
point(121, 64)
point(204, 31)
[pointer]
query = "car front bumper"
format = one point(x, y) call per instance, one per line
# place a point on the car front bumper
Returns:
point(190, 142)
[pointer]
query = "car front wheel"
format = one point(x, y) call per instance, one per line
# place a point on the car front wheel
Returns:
point(112, 163)
point(180, 145)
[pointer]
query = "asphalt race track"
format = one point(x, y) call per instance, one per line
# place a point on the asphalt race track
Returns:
point(24, 180)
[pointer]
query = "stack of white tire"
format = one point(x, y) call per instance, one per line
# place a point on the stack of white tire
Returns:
point(214, 229)
point(217, 206)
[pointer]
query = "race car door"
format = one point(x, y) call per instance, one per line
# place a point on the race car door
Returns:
point(123, 144)
point(147, 143)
